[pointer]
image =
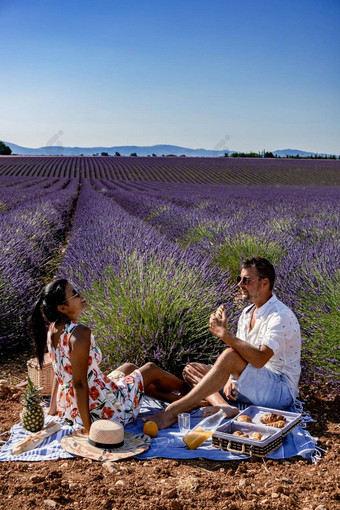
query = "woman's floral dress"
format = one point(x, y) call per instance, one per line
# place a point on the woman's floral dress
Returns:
point(113, 399)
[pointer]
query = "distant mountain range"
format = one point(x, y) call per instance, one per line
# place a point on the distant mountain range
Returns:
point(127, 150)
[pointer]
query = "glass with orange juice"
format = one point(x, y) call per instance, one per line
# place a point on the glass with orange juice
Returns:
point(205, 429)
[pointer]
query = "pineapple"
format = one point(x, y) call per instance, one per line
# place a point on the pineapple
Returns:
point(32, 416)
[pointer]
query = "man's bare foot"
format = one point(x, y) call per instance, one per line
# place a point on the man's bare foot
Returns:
point(230, 411)
point(163, 419)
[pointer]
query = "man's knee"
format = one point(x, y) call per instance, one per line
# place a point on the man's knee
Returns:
point(233, 360)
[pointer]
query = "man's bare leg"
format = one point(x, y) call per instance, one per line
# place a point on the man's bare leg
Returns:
point(192, 374)
point(230, 362)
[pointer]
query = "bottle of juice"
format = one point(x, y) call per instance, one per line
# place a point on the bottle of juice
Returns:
point(203, 430)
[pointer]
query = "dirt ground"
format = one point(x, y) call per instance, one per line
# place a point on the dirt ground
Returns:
point(170, 484)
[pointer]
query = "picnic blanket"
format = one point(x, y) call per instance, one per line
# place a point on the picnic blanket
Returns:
point(168, 443)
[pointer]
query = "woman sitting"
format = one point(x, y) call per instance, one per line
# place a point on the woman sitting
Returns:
point(85, 394)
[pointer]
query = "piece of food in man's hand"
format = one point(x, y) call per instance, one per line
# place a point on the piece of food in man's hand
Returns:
point(272, 417)
point(220, 311)
point(245, 418)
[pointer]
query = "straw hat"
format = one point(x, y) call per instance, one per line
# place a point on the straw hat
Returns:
point(106, 441)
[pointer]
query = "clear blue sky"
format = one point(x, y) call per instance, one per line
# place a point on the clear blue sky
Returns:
point(237, 74)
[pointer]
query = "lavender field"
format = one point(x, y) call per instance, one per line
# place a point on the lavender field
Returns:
point(154, 259)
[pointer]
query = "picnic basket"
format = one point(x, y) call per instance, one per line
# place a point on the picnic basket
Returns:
point(225, 439)
point(41, 377)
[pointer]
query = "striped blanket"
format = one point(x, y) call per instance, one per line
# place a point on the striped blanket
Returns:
point(168, 443)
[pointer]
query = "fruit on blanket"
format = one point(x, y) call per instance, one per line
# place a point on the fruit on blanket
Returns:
point(32, 416)
point(150, 428)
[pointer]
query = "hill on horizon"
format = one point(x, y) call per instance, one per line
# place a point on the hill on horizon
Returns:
point(127, 150)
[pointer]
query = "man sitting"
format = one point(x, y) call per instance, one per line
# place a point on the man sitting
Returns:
point(262, 362)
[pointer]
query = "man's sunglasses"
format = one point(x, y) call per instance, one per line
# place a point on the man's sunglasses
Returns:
point(75, 294)
point(246, 280)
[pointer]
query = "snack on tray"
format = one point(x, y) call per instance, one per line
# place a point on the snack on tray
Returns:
point(240, 434)
point(244, 417)
point(277, 424)
point(256, 435)
point(272, 417)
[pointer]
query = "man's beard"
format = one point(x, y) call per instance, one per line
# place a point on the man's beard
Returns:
point(245, 295)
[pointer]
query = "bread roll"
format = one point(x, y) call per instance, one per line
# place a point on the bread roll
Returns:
point(256, 435)
point(237, 433)
point(34, 440)
point(244, 417)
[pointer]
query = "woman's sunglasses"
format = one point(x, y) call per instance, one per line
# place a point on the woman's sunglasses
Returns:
point(75, 294)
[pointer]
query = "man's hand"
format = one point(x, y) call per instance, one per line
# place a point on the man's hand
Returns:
point(230, 391)
point(218, 326)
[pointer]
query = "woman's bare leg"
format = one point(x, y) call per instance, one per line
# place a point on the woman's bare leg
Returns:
point(127, 368)
point(160, 384)
point(155, 390)
point(165, 396)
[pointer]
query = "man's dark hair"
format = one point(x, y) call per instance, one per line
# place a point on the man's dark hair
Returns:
point(263, 267)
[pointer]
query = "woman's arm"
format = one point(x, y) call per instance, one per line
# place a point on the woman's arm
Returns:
point(80, 342)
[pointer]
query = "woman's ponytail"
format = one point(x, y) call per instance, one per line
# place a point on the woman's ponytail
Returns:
point(38, 331)
point(45, 310)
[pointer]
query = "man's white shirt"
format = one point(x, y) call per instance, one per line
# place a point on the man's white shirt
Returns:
point(277, 327)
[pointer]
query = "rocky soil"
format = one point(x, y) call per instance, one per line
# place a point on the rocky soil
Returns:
point(81, 484)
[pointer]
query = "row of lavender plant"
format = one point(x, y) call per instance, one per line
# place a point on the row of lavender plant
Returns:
point(31, 237)
point(150, 300)
point(14, 191)
point(296, 228)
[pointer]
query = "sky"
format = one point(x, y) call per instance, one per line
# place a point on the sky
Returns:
point(216, 74)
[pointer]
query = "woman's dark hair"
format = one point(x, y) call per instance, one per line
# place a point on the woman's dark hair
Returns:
point(263, 267)
point(45, 310)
